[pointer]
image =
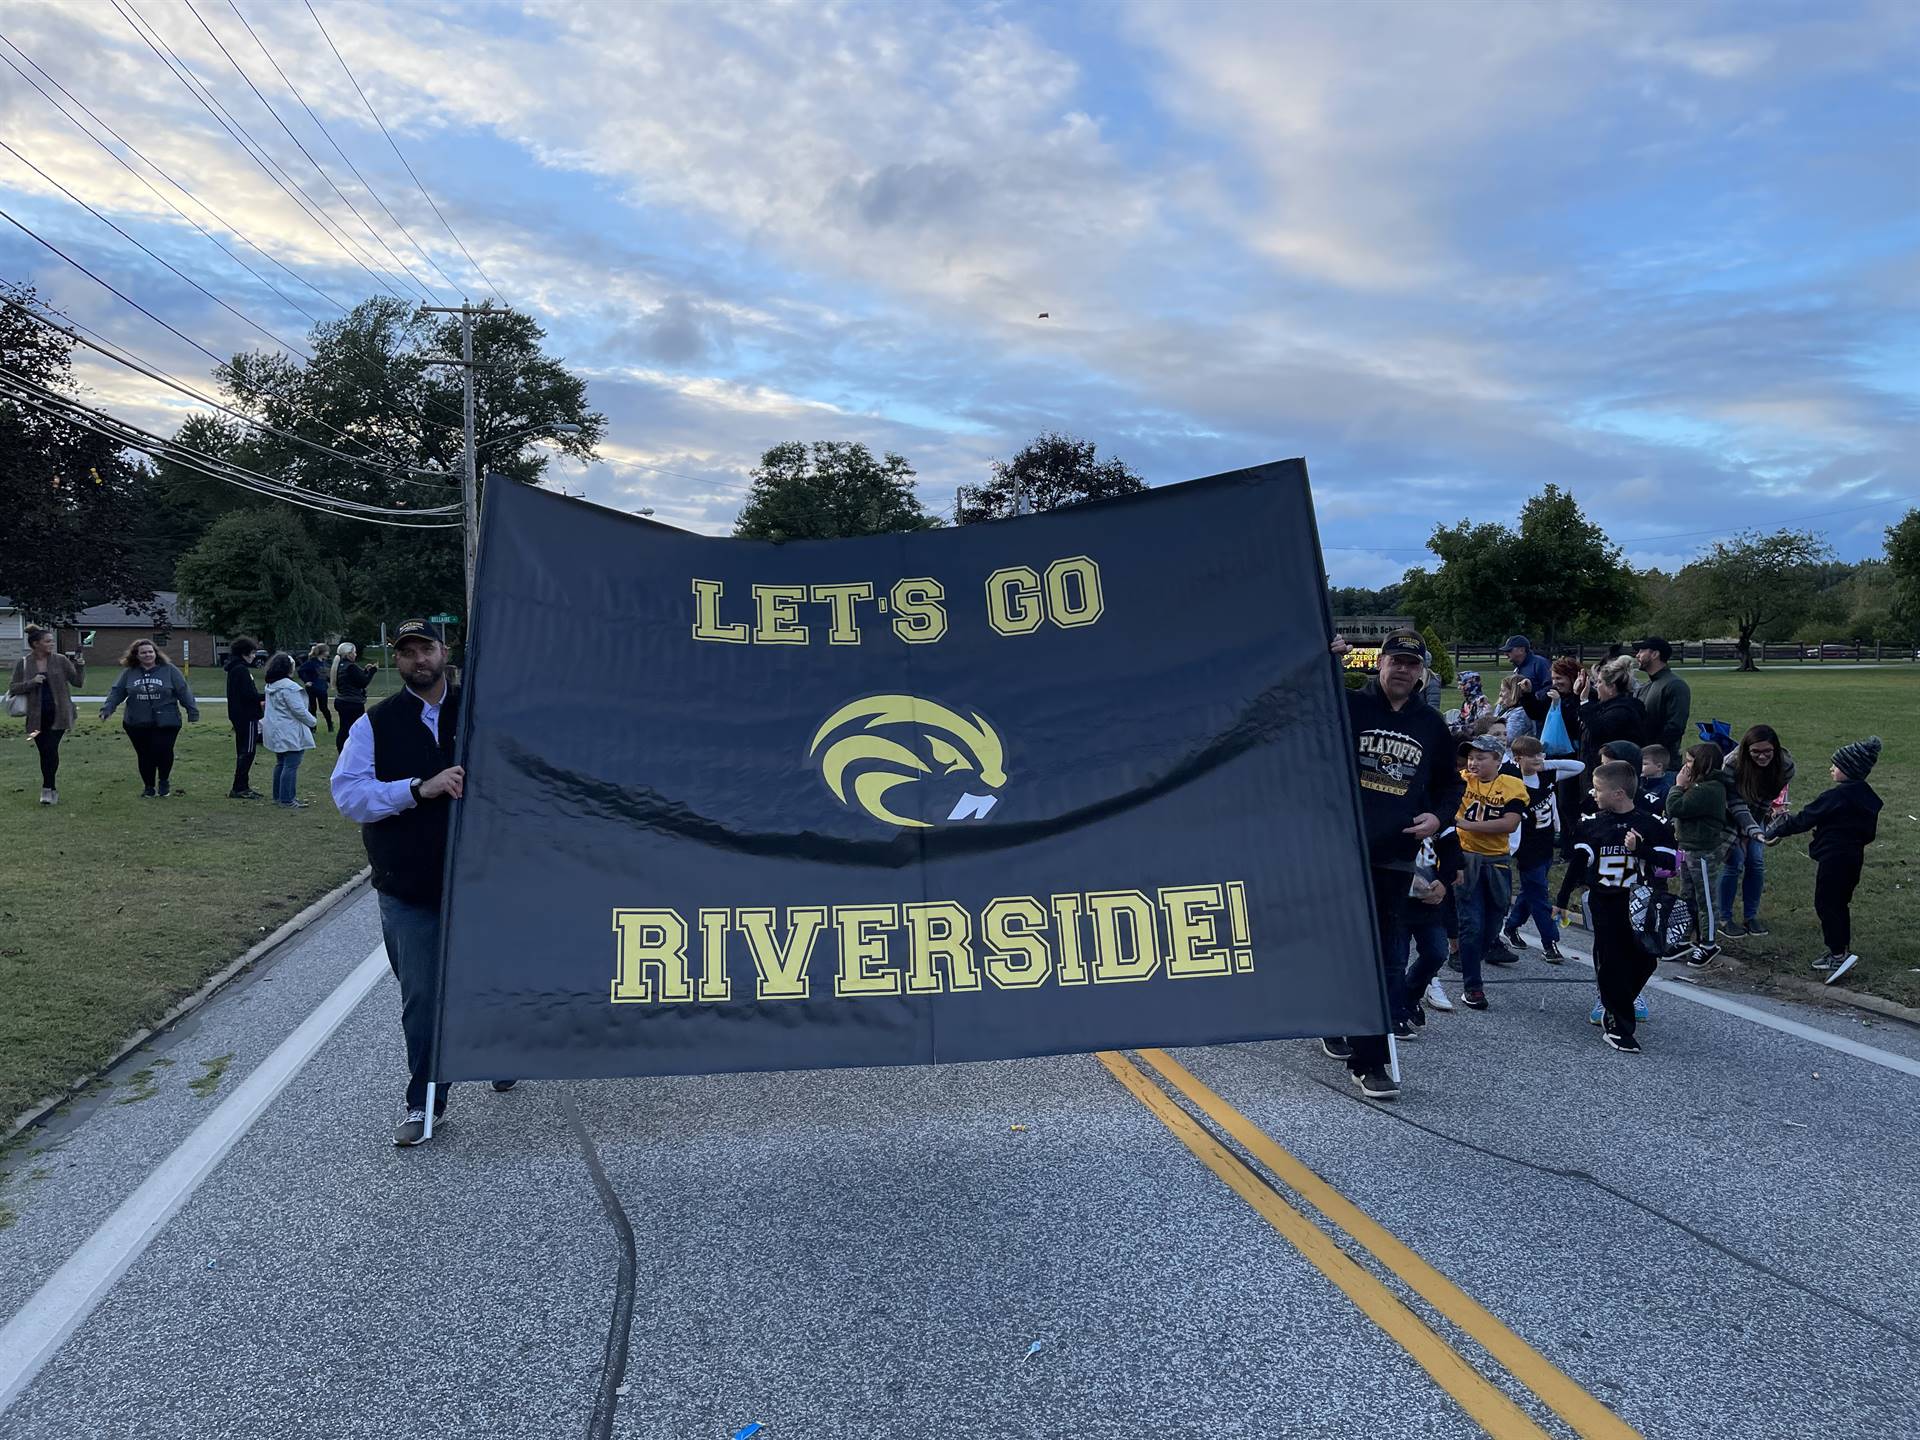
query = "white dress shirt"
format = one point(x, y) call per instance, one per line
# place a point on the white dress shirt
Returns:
point(357, 793)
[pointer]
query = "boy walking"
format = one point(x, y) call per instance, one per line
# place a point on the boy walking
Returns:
point(1698, 809)
point(1622, 844)
point(1491, 811)
point(1534, 856)
point(1844, 820)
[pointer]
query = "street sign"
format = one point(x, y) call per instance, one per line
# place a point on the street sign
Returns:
point(443, 619)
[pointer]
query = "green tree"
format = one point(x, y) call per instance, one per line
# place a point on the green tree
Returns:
point(1050, 472)
point(372, 418)
point(70, 502)
point(827, 490)
point(1471, 593)
point(1442, 657)
point(1903, 560)
point(260, 571)
point(1755, 581)
point(1566, 574)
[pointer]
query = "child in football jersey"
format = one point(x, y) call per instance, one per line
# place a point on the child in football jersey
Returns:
point(1655, 781)
point(1615, 849)
point(1494, 805)
point(1534, 855)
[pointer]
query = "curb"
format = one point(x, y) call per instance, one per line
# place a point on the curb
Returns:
point(1789, 987)
point(39, 1111)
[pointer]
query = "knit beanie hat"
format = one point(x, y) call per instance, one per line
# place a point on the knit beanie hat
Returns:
point(1856, 761)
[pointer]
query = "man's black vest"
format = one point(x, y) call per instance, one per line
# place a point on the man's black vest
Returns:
point(408, 851)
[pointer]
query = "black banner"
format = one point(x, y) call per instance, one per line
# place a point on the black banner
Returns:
point(1069, 782)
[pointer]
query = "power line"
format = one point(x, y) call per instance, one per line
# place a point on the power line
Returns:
point(403, 159)
point(319, 125)
point(266, 105)
point(239, 314)
point(157, 193)
point(254, 477)
point(211, 104)
point(147, 368)
point(117, 294)
point(131, 437)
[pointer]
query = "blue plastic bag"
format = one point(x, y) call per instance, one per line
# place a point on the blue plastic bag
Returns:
point(1716, 732)
point(1554, 738)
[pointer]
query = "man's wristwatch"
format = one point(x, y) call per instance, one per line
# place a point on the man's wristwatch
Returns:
point(413, 787)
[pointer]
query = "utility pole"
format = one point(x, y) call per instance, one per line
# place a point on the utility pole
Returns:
point(470, 474)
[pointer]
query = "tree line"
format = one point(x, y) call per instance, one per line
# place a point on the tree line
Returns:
point(1554, 575)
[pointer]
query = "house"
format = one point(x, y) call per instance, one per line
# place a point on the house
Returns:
point(102, 633)
point(13, 634)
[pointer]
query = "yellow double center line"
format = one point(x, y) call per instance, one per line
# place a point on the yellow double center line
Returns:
point(1485, 1402)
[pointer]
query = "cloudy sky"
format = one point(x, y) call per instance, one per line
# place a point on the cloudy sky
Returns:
point(1667, 255)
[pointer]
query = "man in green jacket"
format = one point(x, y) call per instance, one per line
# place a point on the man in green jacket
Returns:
point(1666, 698)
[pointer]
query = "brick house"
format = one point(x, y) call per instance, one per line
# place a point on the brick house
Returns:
point(167, 621)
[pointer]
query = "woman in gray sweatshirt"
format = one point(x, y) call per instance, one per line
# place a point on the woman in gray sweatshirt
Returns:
point(154, 692)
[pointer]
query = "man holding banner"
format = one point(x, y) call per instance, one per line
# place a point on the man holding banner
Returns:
point(396, 780)
point(1407, 782)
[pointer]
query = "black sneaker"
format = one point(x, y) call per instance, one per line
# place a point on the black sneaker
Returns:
point(1336, 1048)
point(1418, 1015)
point(1377, 1085)
point(1730, 930)
point(1500, 955)
point(239, 795)
point(148, 793)
point(1702, 956)
point(1512, 937)
point(1403, 1030)
point(504, 1085)
point(1474, 999)
point(1624, 1043)
point(166, 789)
point(1550, 952)
point(1757, 926)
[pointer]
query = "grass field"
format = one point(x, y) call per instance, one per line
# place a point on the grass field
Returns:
point(117, 907)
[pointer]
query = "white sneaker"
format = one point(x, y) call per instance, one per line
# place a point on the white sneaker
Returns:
point(46, 796)
point(1436, 996)
point(1841, 966)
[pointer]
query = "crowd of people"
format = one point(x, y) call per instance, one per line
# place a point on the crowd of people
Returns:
point(1578, 764)
point(154, 700)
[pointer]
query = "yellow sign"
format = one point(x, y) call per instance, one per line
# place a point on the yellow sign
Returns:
point(1363, 657)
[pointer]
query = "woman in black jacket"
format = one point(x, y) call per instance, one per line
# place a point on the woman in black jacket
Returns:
point(244, 711)
point(1610, 712)
point(350, 681)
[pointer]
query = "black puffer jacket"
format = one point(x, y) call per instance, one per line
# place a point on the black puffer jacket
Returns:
point(1604, 721)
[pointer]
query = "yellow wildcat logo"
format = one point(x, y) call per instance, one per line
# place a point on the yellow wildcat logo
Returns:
point(869, 749)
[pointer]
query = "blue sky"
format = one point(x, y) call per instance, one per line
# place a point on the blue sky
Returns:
point(1665, 256)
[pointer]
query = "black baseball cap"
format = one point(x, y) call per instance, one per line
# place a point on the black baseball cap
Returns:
point(1654, 642)
point(415, 630)
point(1404, 642)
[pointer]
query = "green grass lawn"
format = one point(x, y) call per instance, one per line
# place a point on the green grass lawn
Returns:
point(1816, 710)
point(116, 907)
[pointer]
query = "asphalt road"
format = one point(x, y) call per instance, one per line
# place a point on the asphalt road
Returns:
point(1718, 1238)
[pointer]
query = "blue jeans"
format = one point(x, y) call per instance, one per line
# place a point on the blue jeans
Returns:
point(286, 769)
point(1484, 897)
point(1748, 857)
point(412, 933)
point(1533, 900)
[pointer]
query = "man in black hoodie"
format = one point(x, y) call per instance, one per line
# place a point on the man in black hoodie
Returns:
point(245, 709)
point(1407, 784)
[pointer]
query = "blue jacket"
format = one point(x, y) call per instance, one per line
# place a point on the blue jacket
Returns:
point(1538, 669)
